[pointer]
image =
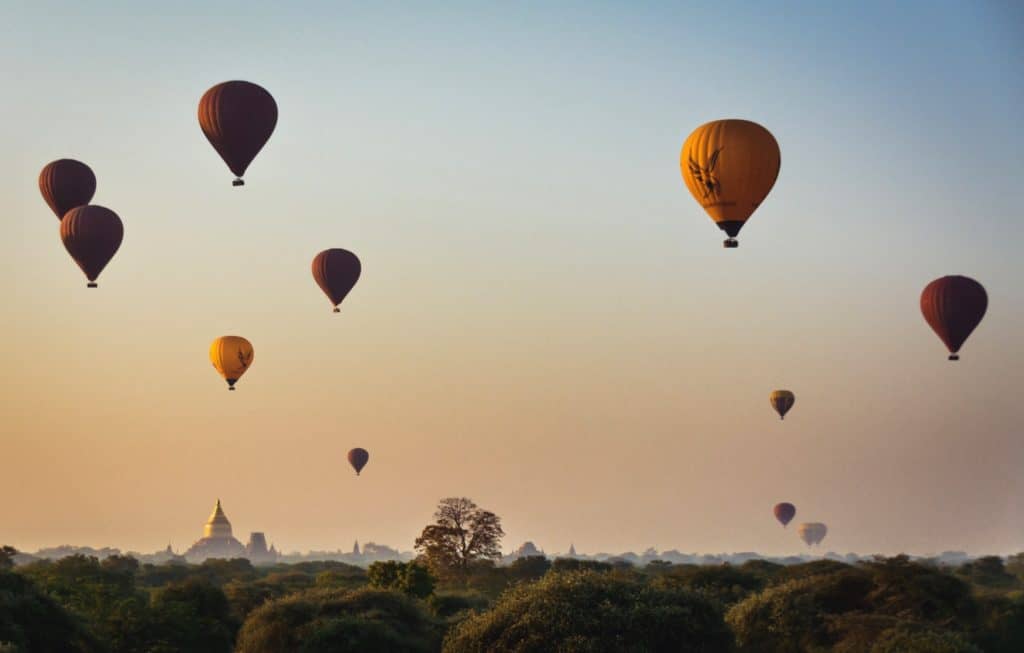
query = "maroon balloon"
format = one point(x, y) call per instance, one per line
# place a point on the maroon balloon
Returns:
point(91, 234)
point(784, 512)
point(238, 119)
point(65, 184)
point(358, 459)
point(336, 271)
point(953, 306)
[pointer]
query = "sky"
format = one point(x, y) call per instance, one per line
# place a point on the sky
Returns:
point(546, 321)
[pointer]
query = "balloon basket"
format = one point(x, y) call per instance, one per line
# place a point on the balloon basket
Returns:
point(238, 182)
point(954, 357)
point(92, 284)
point(730, 243)
point(231, 388)
point(337, 310)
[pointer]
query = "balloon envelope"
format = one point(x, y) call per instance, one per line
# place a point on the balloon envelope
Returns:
point(65, 184)
point(730, 166)
point(953, 306)
point(782, 401)
point(231, 357)
point(238, 119)
point(336, 271)
point(812, 532)
point(358, 458)
point(92, 235)
point(784, 512)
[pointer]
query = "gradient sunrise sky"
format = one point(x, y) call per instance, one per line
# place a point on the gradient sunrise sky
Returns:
point(547, 322)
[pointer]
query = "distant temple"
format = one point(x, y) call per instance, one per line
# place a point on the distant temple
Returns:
point(218, 542)
point(355, 548)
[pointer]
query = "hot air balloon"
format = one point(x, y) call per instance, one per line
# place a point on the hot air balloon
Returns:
point(782, 401)
point(729, 167)
point(238, 119)
point(231, 357)
point(336, 272)
point(812, 532)
point(91, 234)
point(65, 184)
point(358, 458)
point(784, 512)
point(953, 306)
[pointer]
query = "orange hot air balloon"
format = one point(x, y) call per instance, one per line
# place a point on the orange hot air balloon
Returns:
point(782, 401)
point(231, 357)
point(953, 306)
point(65, 184)
point(336, 271)
point(238, 119)
point(358, 459)
point(784, 512)
point(92, 235)
point(729, 167)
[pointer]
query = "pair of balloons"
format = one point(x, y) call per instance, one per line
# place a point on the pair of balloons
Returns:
point(810, 532)
point(92, 234)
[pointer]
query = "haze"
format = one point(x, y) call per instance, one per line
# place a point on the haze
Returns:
point(546, 322)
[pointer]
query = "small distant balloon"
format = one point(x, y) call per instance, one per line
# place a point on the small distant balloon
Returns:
point(231, 357)
point(92, 235)
point(358, 458)
point(237, 118)
point(784, 512)
point(812, 532)
point(336, 271)
point(65, 184)
point(730, 166)
point(782, 401)
point(953, 307)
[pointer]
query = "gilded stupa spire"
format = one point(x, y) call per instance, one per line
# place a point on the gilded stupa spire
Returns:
point(217, 525)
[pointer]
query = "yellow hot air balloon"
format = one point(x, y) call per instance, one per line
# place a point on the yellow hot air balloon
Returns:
point(729, 167)
point(782, 401)
point(231, 357)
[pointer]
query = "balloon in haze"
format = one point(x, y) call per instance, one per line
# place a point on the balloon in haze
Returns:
point(358, 459)
point(729, 167)
point(953, 306)
point(238, 119)
point(91, 234)
point(65, 184)
point(231, 357)
point(782, 401)
point(336, 272)
point(812, 532)
point(784, 512)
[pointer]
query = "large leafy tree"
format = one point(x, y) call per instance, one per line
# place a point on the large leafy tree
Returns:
point(461, 534)
point(594, 612)
point(326, 621)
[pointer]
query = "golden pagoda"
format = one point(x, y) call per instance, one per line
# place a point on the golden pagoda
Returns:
point(217, 525)
point(217, 540)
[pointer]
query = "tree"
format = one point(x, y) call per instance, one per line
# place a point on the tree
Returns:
point(594, 612)
point(409, 578)
point(32, 621)
point(193, 616)
point(7, 554)
point(325, 621)
point(462, 533)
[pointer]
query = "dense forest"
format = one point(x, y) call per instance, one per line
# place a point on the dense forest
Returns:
point(116, 605)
